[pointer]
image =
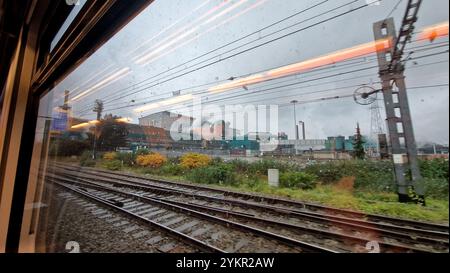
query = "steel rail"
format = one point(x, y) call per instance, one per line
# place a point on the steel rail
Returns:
point(360, 223)
point(178, 235)
point(268, 235)
point(409, 238)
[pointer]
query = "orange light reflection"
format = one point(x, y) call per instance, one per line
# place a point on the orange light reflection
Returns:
point(332, 58)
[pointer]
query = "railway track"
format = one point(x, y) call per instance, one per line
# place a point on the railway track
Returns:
point(207, 232)
point(414, 228)
point(390, 223)
point(330, 233)
point(109, 230)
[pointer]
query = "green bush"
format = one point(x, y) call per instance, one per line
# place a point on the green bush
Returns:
point(217, 174)
point(173, 160)
point(261, 167)
point(171, 169)
point(436, 187)
point(67, 147)
point(217, 161)
point(128, 159)
point(240, 165)
point(435, 169)
point(86, 159)
point(372, 175)
point(113, 165)
point(369, 175)
point(143, 152)
point(326, 172)
point(251, 181)
point(298, 180)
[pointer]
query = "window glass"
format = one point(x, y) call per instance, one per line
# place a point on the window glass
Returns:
point(193, 100)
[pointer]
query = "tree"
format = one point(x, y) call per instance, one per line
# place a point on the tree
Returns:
point(113, 134)
point(358, 145)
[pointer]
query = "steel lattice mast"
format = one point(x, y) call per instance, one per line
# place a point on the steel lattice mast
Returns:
point(401, 133)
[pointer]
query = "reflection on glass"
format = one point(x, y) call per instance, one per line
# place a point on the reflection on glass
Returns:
point(250, 96)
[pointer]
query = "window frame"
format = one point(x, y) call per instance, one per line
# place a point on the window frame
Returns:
point(94, 25)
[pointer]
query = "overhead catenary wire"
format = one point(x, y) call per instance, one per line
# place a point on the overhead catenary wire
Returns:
point(417, 49)
point(394, 8)
point(277, 88)
point(227, 44)
point(259, 91)
point(365, 58)
point(296, 96)
point(141, 90)
point(309, 71)
point(159, 81)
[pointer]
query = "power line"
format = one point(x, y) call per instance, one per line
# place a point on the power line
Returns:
point(422, 48)
point(346, 63)
point(339, 67)
point(287, 85)
point(223, 46)
point(258, 92)
point(233, 42)
point(351, 95)
point(323, 68)
point(158, 82)
point(365, 58)
point(248, 43)
point(393, 9)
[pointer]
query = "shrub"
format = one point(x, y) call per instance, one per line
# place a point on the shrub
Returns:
point(298, 180)
point(128, 159)
point(436, 187)
point(261, 167)
point(240, 165)
point(435, 169)
point(194, 160)
point(143, 152)
point(172, 169)
point(67, 147)
point(217, 161)
point(369, 175)
point(173, 160)
point(217, 174)
point(86, 159)
point(252, 181)
point(113, 165)
point(110, 156)
point(154, 160)
point(327, 172)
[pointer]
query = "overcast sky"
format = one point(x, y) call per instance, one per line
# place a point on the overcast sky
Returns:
point(179, 30)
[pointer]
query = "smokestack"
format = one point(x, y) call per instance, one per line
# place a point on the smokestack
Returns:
point(303, 129)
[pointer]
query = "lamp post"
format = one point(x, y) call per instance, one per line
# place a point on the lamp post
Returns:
point(294, 102)
point(98, 108)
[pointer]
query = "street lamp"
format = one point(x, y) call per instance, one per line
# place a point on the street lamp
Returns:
point(294, 102)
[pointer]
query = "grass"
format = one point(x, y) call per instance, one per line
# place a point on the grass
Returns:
point(437, 210)
point(367, 202)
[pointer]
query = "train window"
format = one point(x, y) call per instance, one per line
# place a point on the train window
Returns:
point(250, 126)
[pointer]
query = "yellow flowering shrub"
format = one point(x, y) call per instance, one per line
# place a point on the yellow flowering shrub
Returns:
point(110, 156)
point(153, 160)
point(194, 160)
